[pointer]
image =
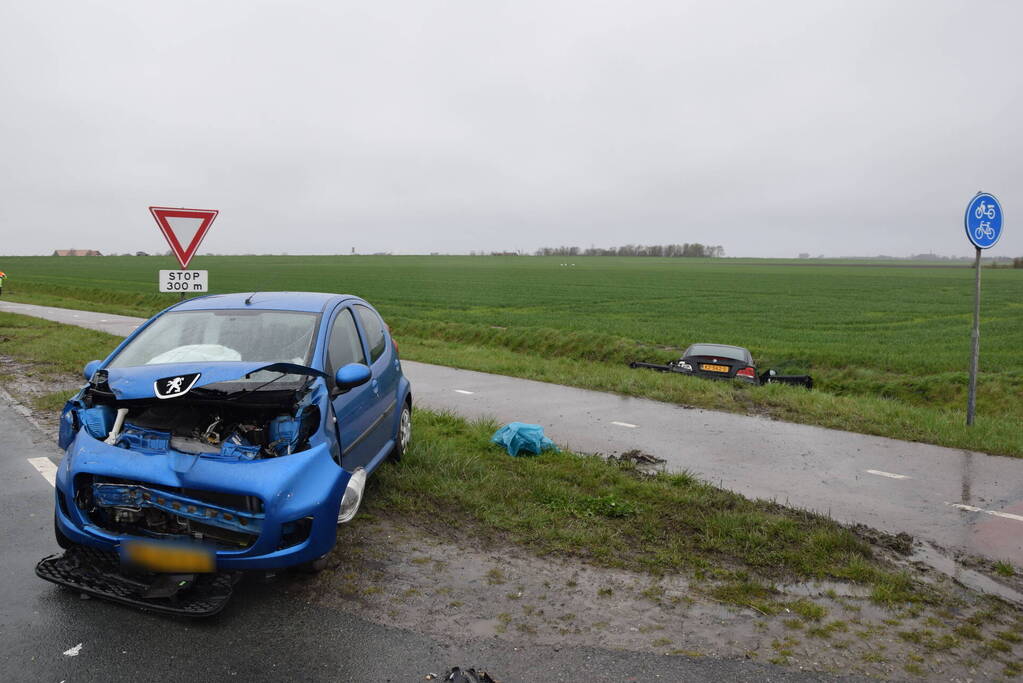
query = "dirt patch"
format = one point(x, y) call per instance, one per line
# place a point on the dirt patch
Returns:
point(901, 543)
point(394, 572)
point(26, 382)
point(643, 462)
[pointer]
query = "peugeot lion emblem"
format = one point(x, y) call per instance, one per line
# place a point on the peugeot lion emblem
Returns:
point(172, 387)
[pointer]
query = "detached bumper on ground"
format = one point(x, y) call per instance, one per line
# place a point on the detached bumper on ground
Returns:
point(100, 573)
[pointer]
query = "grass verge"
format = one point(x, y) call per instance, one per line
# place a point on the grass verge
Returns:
point(52, 347)
point(455, 482)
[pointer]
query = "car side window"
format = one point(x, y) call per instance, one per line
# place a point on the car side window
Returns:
point(374, 329)
point(344, 347)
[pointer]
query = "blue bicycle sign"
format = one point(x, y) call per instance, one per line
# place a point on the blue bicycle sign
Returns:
point(984, 221)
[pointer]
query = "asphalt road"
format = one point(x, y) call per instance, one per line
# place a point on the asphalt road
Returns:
point(960, 500)
point(268, 632)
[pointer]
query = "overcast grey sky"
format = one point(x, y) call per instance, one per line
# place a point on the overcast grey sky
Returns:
point(770, 128)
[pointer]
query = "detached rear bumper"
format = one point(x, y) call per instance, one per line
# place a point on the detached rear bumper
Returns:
point(296, 520)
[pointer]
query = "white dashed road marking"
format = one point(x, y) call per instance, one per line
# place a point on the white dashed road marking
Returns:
point(463, 391)
point(890, 475)
point(994, 513)
point(624, 424)
point(46, 468)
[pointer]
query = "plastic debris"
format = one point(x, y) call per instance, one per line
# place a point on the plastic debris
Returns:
point(73, 652)
point(518, 437)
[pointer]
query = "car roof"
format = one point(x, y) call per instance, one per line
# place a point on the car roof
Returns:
point(312, 302)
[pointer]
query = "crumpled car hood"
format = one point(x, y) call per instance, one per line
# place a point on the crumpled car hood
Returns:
point(139, 381)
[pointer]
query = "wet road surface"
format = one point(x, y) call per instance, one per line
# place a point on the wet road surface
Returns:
point(270, 630)
point(958, 499)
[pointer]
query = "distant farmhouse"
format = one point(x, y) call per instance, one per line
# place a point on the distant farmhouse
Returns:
point(76, 252)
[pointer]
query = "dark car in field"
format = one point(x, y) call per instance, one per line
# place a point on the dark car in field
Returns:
point(231, 432)
point(721, 361)
point(718, 361)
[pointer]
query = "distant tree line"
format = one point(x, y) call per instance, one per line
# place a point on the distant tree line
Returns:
point(686, 250)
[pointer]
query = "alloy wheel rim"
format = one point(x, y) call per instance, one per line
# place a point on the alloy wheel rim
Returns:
point(406, 428)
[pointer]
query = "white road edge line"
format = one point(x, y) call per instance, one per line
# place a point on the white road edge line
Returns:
point(45, 467)
point(890, 475)
point(624, 424)
point(1007, 515)
point(994, 513)
point(463, 391)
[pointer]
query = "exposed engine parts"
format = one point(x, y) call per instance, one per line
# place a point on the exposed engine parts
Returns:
point(230, 429)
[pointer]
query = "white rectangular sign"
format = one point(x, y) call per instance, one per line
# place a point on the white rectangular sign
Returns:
point(184, 280)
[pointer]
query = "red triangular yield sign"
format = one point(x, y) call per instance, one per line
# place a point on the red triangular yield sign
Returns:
point(184, 254)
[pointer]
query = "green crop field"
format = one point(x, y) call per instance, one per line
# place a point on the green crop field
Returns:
point(887, 345)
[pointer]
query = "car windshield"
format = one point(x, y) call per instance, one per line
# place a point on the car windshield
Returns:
point(718, 351)
point(222, 335)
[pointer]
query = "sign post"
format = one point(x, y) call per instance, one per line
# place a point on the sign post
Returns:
point(983, 228)
point(176, 224)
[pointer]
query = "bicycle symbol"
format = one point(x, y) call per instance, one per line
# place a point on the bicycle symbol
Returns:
point(985, 210)
point(984, 230)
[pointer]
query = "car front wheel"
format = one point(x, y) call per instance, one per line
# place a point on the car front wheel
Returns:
point(404, 435)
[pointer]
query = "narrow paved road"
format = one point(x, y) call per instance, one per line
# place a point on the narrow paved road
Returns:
point(270, 631)
point(959, 499)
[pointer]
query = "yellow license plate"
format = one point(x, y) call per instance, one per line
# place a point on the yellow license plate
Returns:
point(714, 368)
point(165, 557)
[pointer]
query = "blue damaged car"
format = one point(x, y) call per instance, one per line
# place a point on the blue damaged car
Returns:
point(231, 432)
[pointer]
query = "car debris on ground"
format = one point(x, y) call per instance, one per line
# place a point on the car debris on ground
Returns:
point(459, 675)
point(637, 456)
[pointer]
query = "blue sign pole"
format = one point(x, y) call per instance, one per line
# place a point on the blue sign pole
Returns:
point(983, 228)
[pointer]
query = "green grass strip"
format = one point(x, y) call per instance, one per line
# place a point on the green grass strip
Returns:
point(457, 483)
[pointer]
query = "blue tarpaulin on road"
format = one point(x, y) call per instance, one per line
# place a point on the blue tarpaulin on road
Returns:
point(519, 436)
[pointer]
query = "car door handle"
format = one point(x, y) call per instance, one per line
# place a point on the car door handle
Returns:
point(375, 386)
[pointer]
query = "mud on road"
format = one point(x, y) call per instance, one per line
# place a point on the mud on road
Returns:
point(401, 572)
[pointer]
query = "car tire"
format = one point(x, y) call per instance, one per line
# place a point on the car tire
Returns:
point(404, 436)
point(63, 541)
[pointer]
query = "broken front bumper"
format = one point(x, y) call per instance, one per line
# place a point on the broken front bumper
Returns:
point(295, 521)
point(100, 573)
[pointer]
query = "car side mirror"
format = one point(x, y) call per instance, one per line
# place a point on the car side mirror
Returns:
point(352, 375)
point(90, 368)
